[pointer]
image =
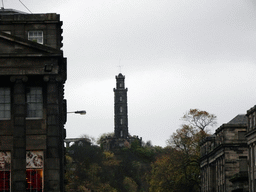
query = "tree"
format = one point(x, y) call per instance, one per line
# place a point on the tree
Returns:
point(186, 141)
point(103, 136)
point(130, 185)
point(179, 169)
point(199, 119)
point(165, 175)
point(90, 168)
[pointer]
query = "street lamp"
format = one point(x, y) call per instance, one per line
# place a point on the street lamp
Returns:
point(82, 112)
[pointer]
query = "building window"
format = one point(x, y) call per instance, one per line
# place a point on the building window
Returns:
point(250, 122)
point(243, 164)
point(34, 171)
point(121, 133)
point(121, 109)
point(254, 119)
point(36, 36)
point(241, 135)
point(5, 171)
point(254, 147)
point(251, 156)
point(120, 99)
point(121, 121)
point(5, 103)
point(34, 102)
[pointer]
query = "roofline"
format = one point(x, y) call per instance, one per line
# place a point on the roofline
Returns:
point(4, 11)
point(25, 42)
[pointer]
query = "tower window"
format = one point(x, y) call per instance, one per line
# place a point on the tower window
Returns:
point(5, 103)
point(36, 36)
point(121, 109)
point(121, 84)
point(121, 99)
point(35, 102)
point(121, 121)
point(121, 133)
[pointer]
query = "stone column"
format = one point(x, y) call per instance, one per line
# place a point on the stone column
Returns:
point(18, 170)
point(54, 165)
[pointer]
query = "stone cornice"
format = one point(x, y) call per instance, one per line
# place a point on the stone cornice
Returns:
point(31, 44)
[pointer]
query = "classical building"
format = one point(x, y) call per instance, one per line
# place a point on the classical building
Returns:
point(32, 105)
point(251, 141)
point(223, 160)
point(121, 136)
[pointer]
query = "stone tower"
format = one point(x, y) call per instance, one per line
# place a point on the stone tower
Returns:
point(121, 137)
point(121, 117)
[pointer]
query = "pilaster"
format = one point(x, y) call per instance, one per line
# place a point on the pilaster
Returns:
point(18, 173)
point(54, 144)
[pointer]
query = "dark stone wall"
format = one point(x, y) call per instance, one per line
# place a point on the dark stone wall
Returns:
point(24, 64)
point(19, 25)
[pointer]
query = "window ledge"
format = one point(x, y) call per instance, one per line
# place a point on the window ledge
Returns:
point(34, 118)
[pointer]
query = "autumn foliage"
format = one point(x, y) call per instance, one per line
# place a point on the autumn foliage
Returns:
point(146, 168)
point(199, 119)
point(178, 170)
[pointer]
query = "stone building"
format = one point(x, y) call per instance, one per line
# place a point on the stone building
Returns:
point(251, 141)
point(121, 137)
point(32, 105)
point(223, 160)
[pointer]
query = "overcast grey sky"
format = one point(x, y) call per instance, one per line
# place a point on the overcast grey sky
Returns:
point(175, 55)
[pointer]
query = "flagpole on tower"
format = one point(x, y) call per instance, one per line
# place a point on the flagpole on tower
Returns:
point(2, 4)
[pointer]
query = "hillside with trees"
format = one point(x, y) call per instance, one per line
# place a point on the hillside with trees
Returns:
point(146, 168)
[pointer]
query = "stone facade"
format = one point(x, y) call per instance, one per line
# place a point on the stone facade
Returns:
point(251, 140)
point(32, 105)
point(224, 158)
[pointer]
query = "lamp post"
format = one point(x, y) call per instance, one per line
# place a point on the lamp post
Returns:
point(82, 112)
